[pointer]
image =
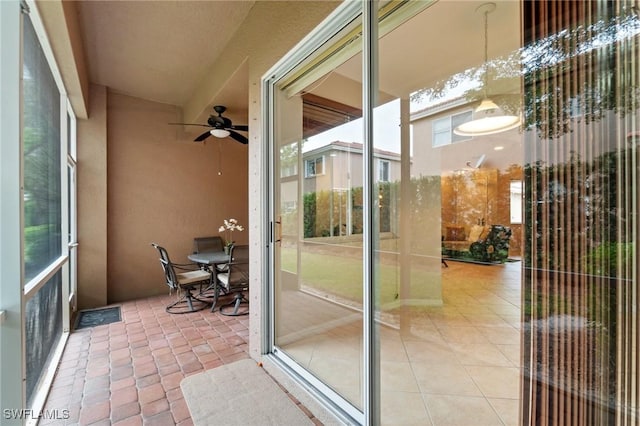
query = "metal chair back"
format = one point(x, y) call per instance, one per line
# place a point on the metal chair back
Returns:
point(207, 244)
point(167, 268)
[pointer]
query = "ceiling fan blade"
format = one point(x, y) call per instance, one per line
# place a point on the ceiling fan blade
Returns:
point(243, 128)
point(202, 136)
point(238, 137)
point(188, 124)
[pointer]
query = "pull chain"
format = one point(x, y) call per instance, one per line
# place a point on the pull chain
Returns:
point(219, 158)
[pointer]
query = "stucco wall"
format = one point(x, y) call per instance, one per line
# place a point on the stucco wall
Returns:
point(265, 52)
point(164, 188)
point(92, 202)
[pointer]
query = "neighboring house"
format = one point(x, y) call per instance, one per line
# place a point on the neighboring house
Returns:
point(338, 166)
point(481, 177)
point(335, 167)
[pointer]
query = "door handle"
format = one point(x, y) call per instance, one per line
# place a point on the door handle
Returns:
point(279, 236)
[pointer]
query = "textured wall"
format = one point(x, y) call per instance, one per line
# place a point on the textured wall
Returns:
point(92, 203)
point(164, 188)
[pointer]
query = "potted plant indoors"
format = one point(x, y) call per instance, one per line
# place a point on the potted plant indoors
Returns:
point(227, 229)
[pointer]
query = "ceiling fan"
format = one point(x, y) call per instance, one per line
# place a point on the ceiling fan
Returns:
point(221, 127)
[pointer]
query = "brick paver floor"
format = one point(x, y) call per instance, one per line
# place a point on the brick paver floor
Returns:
point(129, 372)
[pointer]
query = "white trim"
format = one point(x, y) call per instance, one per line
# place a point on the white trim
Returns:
point(37, 282)
point(345, 13)
point(12, 386)
point(41, 392)
point(323, 393)
point(41, 32)
point(371, 356)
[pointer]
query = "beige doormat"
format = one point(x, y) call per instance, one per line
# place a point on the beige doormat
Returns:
point(240, 393)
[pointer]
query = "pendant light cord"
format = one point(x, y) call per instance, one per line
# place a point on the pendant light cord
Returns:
point(486, 54)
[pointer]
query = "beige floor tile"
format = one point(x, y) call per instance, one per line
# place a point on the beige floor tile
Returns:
point(496, 382)
point(433, 352)
point(500, 335)
point(512, 352)
point(480, 354)
point(507, 409)
point(461, 411)
point(451, 320)
point(507, 309)
point(487, 320)
point(403, 408)
point(514, 320)
point(456, 334)
point(393, 350)
point(397, 377)
point(342, 375)
point(420, 331)
point(344, 347)
point(301, 351)
point(472, 308)
point(444, 379)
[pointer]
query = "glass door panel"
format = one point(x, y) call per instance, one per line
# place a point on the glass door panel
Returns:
point(504, 259)
point(448, 253)
point(317, 202)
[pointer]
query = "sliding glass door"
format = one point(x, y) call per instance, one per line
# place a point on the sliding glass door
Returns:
point(317, 227)
point(448, 253)
point(454, 212)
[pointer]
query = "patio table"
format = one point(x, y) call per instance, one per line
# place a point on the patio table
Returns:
point(210, 259)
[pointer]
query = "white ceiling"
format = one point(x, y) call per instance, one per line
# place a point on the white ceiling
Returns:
point(444, 39)
point(159, 50)
point(162, 50)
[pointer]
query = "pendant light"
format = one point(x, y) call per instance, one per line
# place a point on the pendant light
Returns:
point(489, 118)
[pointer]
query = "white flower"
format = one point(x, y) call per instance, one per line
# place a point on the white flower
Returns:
point(229, 226)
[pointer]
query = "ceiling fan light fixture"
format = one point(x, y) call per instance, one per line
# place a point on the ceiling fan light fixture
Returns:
point(219, 133)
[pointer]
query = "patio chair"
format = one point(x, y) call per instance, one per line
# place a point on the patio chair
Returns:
point(235, 280)
point(207, 244)
point(185, 283)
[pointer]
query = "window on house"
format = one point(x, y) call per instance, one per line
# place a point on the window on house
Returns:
point(442, 129)
point(289, 206)
point(516, 201)
point(314, 167)
point(289, 160)
point(289, 170)
point(383, 170)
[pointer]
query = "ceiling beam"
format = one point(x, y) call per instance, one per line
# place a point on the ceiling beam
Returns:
point(60, 19)
point(271, 29)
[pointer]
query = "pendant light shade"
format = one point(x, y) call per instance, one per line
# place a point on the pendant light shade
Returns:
point(489, 120)
point(488, 117)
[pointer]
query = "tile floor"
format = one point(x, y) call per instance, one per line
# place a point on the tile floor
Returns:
point(452, 365)
point(129, 372)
